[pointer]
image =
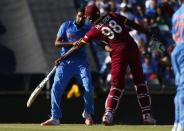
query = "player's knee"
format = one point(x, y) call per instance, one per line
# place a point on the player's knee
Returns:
point(141, 89)
point(115, 93)
point(143, 96)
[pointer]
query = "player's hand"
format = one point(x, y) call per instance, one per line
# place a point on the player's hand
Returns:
point(77, 43)
point(108, 48)
point(57, 61)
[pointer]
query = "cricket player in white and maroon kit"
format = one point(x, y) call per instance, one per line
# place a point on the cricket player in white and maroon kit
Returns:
point(112, 29)
point(177, 57)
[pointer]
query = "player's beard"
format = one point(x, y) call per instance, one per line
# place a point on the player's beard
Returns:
point(79, 24)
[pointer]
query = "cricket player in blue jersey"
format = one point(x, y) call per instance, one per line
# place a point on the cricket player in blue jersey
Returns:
point(75, 65)
point(177, 57)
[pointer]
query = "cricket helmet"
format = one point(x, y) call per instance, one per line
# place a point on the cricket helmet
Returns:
point(91, 11)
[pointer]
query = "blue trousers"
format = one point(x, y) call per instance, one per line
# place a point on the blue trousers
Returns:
point(64, 72)
point(177, 58)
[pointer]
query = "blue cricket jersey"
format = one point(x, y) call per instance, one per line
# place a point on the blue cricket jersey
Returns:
point(69, 32)
point(178, 25)
point(75, 65)
point(177, 55)
point(177, 59)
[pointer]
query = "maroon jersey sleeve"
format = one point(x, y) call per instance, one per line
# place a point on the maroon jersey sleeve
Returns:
point(93, 33)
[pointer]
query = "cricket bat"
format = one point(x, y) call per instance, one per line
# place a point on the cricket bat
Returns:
point(38, 89)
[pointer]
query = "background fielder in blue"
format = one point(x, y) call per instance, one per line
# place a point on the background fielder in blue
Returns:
point(177, 58)
point(75, 65)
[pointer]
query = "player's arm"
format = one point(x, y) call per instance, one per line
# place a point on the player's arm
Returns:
point(104, 46)
point(62, 35)
point(59, 42)
point(136, 26)
point(79, 43)
point(76, 46)
point(150, 33)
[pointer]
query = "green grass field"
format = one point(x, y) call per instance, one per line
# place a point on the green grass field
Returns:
point(82, 127)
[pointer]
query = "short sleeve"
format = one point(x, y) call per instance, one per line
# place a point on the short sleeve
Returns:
point(62, 30)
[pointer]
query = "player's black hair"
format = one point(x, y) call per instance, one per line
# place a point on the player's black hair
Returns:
point(81, 9)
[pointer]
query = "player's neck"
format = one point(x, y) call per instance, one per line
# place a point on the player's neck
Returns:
point(79, 25)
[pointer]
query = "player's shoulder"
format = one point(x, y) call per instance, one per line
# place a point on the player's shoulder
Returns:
point(117, 16)
point(179, 12)
point(67, 23)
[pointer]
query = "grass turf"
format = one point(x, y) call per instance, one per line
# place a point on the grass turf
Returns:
point(82, 127)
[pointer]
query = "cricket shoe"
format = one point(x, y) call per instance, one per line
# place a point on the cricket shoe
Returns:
point(175, 126)
point(51, 122)
point(88, 118)
point(178, 128)
point(148, 119)
point(107, 118)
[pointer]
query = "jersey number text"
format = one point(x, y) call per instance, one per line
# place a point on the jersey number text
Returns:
point(109, 31)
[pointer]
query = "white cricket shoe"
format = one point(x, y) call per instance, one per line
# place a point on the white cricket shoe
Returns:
point(148, 119)
point(51, 122)
point(179, 128)
point(88, 118)
point(175, 126)
point(107, 118)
